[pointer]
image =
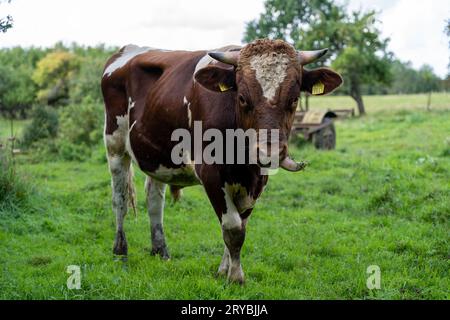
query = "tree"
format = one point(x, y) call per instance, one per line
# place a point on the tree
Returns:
point(405, 79)
point(86, 81)
point(364, 58)
point(428, 80)
point(6, 22)
point(305, 24)
point(58, 75)
point(447, 31)
point(17, 90)
point(357, 50)
point(53, 75)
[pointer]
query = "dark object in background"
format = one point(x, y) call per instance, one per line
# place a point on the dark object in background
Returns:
point(318, 127)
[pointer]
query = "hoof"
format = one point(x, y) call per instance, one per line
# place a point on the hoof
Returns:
point(236, 275)
point(222, 272)
point(224, 267)
point(120, 258)
point(162, 252)
point(159, 243)
point(120, 245)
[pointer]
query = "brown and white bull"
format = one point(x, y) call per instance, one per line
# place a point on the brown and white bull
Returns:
point(149, 93)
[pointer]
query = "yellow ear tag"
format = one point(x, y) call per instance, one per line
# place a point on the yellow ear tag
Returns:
point(318, 88)
point(223, 87)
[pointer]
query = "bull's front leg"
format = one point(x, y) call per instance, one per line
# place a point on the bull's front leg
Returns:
point(233, 226)
point(230, 265)
point(233, 232)
point(225, 263)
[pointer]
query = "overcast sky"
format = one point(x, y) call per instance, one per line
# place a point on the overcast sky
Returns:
point(415, 27)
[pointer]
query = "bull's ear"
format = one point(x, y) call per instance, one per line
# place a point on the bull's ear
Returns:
point(320, 81)
point(216, 79)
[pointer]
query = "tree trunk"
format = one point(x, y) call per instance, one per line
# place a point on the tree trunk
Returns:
point(360, 103)
point(355, 93)
point(429, 101)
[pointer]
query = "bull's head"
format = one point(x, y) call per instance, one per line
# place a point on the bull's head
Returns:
point(267, 78)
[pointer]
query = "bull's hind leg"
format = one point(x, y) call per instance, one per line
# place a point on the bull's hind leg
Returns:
point(155, 202)
point(119, 166)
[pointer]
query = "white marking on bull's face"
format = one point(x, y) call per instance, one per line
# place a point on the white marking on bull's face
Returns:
point(128, 53)
point(270, 70)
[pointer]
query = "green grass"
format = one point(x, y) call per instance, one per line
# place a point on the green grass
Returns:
point(381, 198)
point(375, 104)
point(5, 128)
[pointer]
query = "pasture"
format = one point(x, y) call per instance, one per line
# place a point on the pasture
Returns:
point(381, 198)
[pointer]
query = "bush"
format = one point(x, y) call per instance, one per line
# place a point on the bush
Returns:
point(73, 135)
point(13, 191)
point(43, 125)
point(44, 149)
point(73, 152)
point(81, 128)
point(86, 82)
point(82, 123)
point(52, 75)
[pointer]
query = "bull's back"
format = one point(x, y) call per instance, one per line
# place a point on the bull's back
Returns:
point(149, 88)
point(154, 81)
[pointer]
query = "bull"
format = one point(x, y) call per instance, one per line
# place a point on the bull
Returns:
point(149, 93)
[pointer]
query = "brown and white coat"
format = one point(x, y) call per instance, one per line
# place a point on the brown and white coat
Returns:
point(149, 93)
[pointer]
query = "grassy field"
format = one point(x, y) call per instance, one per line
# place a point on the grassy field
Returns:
point(381, 198)
point(5, 128)
point(375, 104)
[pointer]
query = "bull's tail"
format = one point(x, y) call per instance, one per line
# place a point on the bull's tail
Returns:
point(132, 191)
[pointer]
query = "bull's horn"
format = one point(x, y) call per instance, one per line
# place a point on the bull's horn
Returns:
point(228, 57)
point(306, 57)
point(290, 165)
